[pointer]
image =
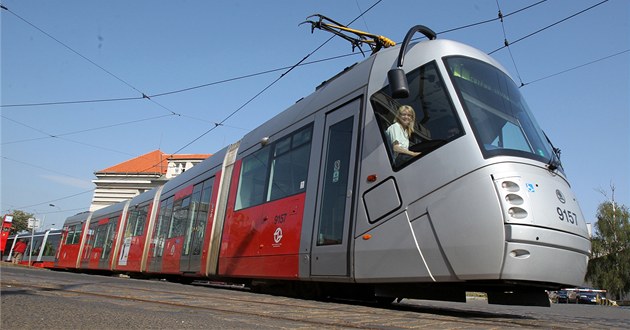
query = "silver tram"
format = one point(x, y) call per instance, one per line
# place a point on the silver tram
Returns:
point(482, 205)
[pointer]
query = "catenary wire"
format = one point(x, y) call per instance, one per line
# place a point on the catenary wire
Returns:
point(271, 84)
point(49, 135)
point(549, 26)
point(507, 43)
point(242, 106)
point(576, 67)
point(144, 96)
point(247, 75)
point(300, 63)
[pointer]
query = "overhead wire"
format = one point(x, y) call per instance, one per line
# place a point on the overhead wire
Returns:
point(218, 82)
point(66, 139)
point(301, 62)
point(549, 26)
point(151, 96)
point(272, 83)
point(248, 101)
point(144, 96)
point(40, 167)
point(576, 67)
point(507, 43)
point(49, 135)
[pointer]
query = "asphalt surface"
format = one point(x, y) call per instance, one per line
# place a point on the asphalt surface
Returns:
point(35, 298)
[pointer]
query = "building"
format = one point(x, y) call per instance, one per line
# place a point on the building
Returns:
point(135, 176)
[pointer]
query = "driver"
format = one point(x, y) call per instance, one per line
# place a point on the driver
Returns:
point(399, 132)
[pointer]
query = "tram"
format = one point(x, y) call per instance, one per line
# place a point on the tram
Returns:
point(41, 253)
point(319, 201)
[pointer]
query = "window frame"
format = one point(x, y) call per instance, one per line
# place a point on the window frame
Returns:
point(270, 167)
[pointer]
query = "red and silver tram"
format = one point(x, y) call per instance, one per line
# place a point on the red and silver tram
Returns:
point(318, 200)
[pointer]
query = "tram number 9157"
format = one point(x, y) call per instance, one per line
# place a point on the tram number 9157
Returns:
point(280, 218)
point(567, 216)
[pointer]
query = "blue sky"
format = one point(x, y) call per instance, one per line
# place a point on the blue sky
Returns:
point(122, 49)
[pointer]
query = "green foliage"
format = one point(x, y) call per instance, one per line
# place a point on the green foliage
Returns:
point(609, 267)
point(20, 221)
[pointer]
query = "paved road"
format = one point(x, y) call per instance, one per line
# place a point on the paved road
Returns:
point(35, 298)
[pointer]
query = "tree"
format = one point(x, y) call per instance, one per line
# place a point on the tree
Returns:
point(609, 267)
point(20, 221)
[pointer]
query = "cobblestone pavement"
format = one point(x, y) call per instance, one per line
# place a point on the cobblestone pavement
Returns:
point(68, 300)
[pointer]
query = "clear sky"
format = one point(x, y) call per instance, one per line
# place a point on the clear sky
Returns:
point(67, 51)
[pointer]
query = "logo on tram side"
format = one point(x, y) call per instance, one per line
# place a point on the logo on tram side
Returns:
point(560, 196)
point(277, 237)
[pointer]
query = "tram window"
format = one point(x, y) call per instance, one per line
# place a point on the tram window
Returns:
point(100, 236)
point(202, 216)
point(50, 248)
point(162, 226)
point(180, 217)
point(290, 165)
point(7, 249)
point(109, 236)
point(436, 122)
point(251, 186)
point(334, 196)
point(195, 226)
point(37, 245)
point(74, 235)
point(137, 220)
point(276, 171)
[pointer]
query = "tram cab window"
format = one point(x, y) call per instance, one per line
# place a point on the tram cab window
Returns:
point(435, 124)
point(276, 171)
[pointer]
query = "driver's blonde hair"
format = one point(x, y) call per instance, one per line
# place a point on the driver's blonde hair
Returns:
point(408, 129)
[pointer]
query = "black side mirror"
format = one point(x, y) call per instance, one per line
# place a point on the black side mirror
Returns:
point(398, 83)
point(397, 78)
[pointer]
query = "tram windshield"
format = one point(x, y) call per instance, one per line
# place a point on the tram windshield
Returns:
point(498, 114)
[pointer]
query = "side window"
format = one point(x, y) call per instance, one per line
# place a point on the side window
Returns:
point(37, 245)
point(77, 235)
point(101, 236)
point(74, 235)
point(276, 171)
point(162, 226)
point(50, 248)
point(70, 235)
point(110, 233)
point(424, 121)
point(251, 185)
point(289, 167)
point(137, 220)
point(180, 217)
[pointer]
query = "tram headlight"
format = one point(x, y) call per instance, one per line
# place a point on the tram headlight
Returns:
point(513, 198)
point(510, 186)
point(517, 212)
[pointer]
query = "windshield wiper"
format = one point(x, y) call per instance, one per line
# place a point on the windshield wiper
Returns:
point(554, 163)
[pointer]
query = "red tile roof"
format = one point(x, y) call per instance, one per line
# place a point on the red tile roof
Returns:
point(154, 162)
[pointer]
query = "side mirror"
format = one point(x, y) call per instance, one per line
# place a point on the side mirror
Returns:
point(398, 83)
point(397, 78)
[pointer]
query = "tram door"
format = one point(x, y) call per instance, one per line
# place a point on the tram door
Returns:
point(190, 260)
point(330, 242)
